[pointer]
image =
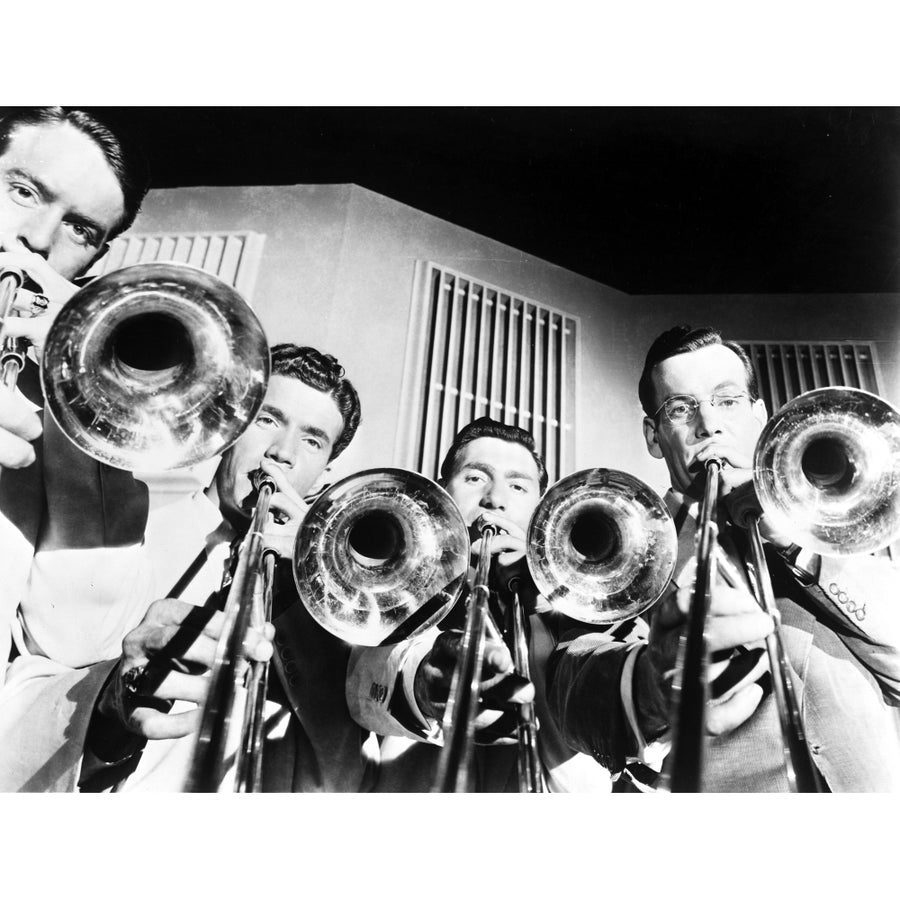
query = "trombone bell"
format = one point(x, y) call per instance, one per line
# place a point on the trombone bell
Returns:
point(827, 471)
point(155, 367)
point(601, 546)
point(381, 556)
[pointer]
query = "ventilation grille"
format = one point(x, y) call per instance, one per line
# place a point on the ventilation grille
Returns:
point(787, 370)
point(232, 256)
point(475, 350)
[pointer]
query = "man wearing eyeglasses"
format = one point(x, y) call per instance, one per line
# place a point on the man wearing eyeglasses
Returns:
point(700, 400)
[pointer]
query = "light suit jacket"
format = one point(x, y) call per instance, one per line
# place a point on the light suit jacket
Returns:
point(842, 639)
point(46, 705)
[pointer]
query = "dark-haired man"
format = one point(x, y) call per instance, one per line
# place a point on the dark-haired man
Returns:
point(116, 725)
point(68, 185)
point(700, 401)
point(496, 476)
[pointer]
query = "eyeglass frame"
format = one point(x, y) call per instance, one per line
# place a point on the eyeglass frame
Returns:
point(739, 395)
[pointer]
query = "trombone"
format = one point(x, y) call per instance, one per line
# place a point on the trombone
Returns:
point(148, 368)
point(601, 548)
point(210, 761)
point(12, 350)
point(379, 557)
point(826, 470)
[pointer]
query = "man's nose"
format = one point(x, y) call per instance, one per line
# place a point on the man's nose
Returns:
point(38, 231)
point(284, 452)
point(708, 420)
point(494, 497)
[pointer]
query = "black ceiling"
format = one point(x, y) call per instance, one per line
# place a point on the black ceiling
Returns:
point(669, 200)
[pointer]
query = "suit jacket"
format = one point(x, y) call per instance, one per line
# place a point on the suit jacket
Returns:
point(313, 744)
point(380, 696)
point(841, 635)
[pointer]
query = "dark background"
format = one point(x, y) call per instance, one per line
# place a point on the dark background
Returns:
point(667, 200)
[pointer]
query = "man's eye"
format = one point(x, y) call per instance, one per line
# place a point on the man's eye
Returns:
point(265, 420)
point(23, 194)
point(471, 478)
point(678, 409)
point(313, 444)
point(82, 235)
point(728, 402)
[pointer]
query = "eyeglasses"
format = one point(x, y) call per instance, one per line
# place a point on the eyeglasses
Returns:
point(681, 409)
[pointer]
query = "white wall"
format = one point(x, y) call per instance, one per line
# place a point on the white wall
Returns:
point(337, 273)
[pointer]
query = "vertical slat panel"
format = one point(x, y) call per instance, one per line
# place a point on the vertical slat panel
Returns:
point(437, 344)
point(511, 357)
point(563, 358)
point(198, 251)
point(536, 376)
point(552, 393)
point(833, 369)
point(773, 381)
point(498, 342)
point(465, 405)
point(526, 346)
point(816, 356)
point(842, 366)
point(213, 258)
point(451, 369)
point(231, 258)
point(489, 352)
point(481, 406)
point(133, 252)
point(150, 250)
point(786, 373)
point(802, 380)
point(182, 249)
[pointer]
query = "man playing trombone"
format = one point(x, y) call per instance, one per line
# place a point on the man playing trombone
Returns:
point(496, 477)
point(701, 402)
point(125, 730)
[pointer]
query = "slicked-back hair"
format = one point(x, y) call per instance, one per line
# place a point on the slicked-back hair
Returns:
point(685, 339)
point(324, 373)
point(488, 427)
point(123, 156)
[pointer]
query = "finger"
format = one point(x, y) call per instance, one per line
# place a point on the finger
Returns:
point(496, 660)
point(172, 611)
point(18, 416)
point(505, 524)
point(724, 601)
point(148, 641)
point(723, 632)
point(157, 726)
point(14, 452)
point(511, 690)
point(178, 686)
point(728, 715)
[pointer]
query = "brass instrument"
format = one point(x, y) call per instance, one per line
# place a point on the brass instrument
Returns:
point(465, 687)
point(528, 759)
point(601, 546)
point(826, 472)
point(12, 350)
point(380, 556)
point(210, 761)
point(154, 367)
point(690, 690)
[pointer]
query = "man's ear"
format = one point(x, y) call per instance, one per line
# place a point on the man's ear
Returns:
point(759, 412)
point(651, 436)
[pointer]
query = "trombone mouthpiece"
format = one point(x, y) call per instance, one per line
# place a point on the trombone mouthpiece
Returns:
point(260, 478)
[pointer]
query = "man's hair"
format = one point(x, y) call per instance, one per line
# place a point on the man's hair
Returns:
point(324, 373)
point(684, 339)
point(123, 156)
point(488, 427)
